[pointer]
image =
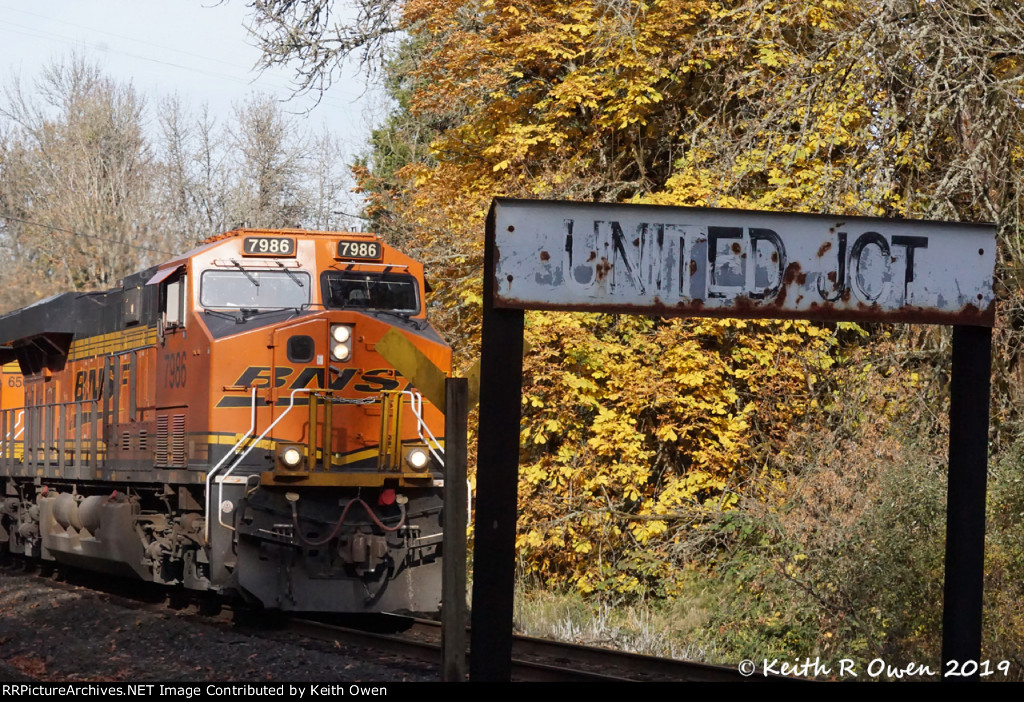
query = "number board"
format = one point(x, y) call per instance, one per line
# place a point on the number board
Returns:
point(360, 250)
point(268, 246)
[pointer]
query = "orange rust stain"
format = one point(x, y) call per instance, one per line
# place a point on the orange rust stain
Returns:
point(792, 271)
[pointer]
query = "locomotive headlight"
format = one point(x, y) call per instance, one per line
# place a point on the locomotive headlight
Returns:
point(290, 456)
point(341, 352)
point(341, 342)
point(341, 333)
point(417, 458)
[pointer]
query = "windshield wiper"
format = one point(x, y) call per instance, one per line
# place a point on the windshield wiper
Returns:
point(252, 312)
point(406, 316)
point(252, 279)
point(291, 275)
point(224, 315)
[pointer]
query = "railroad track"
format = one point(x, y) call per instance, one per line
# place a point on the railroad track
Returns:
point(533, 659)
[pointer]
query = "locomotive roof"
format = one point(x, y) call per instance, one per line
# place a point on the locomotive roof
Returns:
point(66, 316)
point(53, 322)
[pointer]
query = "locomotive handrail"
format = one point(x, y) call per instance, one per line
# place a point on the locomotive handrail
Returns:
point(59, 445)
point(212, 471)
point(53, 431)
point(17, 422)
point(9, 441)
point(95, 433)
point(220, 492)
point(417, 409)
point(41, 444)
point(416, 404)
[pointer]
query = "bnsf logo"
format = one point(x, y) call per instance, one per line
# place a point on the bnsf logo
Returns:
point(371, 381)
point(89, 385)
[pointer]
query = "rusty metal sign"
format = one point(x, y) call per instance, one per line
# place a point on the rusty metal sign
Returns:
point(671, 261)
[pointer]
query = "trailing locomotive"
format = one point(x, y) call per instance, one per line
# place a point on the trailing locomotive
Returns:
point(224, 422)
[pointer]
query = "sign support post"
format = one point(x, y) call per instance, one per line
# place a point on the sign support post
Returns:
point(497, 483)
point(965, 498)
point(456, 498)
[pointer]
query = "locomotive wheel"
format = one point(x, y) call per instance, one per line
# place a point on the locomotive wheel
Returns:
point(210, 605)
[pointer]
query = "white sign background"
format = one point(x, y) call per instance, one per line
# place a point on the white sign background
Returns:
point(676, 261)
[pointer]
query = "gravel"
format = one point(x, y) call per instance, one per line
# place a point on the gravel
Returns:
point(59, 632)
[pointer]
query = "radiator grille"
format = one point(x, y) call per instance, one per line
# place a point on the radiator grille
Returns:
point(178, 440)
point(161, 441)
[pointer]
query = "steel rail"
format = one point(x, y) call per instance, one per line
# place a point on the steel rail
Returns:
point(533, 659)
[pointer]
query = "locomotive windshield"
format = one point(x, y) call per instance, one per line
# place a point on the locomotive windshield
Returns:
point(392, 292)
point(260, 290)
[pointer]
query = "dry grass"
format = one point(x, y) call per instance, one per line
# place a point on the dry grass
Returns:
point(671, 629)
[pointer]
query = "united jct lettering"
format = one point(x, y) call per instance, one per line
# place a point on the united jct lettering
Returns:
point(678, 263)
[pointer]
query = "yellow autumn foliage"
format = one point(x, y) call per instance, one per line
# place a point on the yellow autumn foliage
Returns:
point(634, 430)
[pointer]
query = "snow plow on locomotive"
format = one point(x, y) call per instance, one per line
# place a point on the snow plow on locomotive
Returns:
point(224, 422)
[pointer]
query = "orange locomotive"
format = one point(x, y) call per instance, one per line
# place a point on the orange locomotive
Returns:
point(223, 421)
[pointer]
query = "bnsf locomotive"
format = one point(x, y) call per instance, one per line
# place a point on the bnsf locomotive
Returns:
point(224, 422)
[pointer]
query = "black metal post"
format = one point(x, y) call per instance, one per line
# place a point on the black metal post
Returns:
point(453, 584)
point(965, 501)
point(497, 482)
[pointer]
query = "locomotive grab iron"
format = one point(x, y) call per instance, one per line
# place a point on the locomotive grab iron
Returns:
point(222, 421)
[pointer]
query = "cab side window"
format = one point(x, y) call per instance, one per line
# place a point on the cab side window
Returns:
point(172, 299)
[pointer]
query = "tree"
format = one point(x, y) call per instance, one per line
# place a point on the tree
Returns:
point(87, 196)
point(316, 37)
point(267, 189)
point(193, 176)
point(76, 174)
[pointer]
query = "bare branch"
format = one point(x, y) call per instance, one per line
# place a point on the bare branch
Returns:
point(317, 37)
